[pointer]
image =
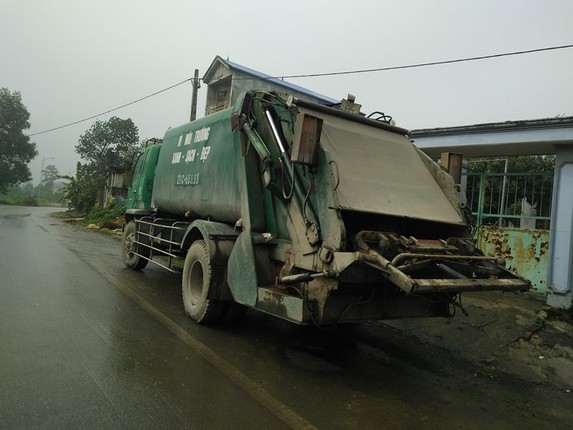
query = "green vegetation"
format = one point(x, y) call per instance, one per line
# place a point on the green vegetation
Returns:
point(47, 193)
point(19, 201)
point(81, 190)
point(104, 147)
point(20, 196)
point(109, 217)
point(515, 164)
point(105, 217)
point(16, 150)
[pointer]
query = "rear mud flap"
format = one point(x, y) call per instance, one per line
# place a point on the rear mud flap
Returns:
point(249, 267)
point(242, 275)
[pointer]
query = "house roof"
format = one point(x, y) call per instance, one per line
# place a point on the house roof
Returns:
point(526, 137)
point(531, 124)
point(288, 86)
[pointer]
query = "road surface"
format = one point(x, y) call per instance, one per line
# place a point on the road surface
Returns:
point(86, 343)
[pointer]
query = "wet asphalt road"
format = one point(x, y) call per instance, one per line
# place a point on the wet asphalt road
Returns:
point(86, 343)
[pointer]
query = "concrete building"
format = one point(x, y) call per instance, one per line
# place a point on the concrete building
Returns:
point(226, 80)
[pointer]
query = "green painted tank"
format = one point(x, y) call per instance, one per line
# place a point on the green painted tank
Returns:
point(196, 170)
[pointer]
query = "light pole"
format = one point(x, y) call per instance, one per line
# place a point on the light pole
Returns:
point(42, 174)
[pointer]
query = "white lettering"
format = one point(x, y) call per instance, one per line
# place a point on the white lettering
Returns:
point(176, 158)
point(188, 138)
point(202, 135)
point(205, 153)
point(188, 179)
point(190, 156)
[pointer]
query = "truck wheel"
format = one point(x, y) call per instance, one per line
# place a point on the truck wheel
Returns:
point(196, 284)
point(128, 247)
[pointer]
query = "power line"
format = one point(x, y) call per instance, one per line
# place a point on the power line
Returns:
point(313, 75)
point(433, 63)
point(110, 110)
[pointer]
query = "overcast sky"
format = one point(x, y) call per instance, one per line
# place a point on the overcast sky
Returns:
point(72, 59)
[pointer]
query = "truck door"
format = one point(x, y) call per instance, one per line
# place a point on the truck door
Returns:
point(139, 196)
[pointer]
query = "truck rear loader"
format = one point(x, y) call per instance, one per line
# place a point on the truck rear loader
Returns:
point(306, 212)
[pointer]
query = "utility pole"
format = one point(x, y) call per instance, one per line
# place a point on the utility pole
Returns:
point(196, 86)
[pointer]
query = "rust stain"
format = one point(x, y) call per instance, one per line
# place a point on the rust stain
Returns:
point(500, 242)
point(526, 251)
point(520, 252)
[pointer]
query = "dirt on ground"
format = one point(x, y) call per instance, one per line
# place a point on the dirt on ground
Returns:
point(516, 334)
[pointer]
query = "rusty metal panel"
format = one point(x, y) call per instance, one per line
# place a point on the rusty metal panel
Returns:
point(525, 251)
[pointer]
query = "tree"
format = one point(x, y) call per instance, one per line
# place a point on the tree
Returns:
point(105, 145)
point(28, 189)
point(50, 174)
point(46, 187)
point(16, 150)
point(81, 190)
point(515, 164)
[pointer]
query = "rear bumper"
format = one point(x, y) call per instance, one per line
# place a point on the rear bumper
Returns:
point(437, 273)
point(462, 285)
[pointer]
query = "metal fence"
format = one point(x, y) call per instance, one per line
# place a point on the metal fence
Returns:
point(520, 200)
point(512, 215)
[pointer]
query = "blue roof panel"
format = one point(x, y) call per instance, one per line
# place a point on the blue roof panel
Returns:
point(279, 82)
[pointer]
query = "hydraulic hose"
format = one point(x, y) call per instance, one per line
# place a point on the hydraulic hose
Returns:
point(300, 194)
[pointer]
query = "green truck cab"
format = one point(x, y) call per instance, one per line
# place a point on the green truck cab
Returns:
point(140, 191)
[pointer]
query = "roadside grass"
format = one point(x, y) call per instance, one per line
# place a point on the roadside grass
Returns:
point(106, 219)
point(19, 201)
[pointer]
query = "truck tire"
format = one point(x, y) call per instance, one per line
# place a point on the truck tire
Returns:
point(196, 283)
point(128, 247)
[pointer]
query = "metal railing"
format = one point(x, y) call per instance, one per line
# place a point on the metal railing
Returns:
point(521, 200)
point(159, 244)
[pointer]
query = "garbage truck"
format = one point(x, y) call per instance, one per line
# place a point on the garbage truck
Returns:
point(306, 212)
